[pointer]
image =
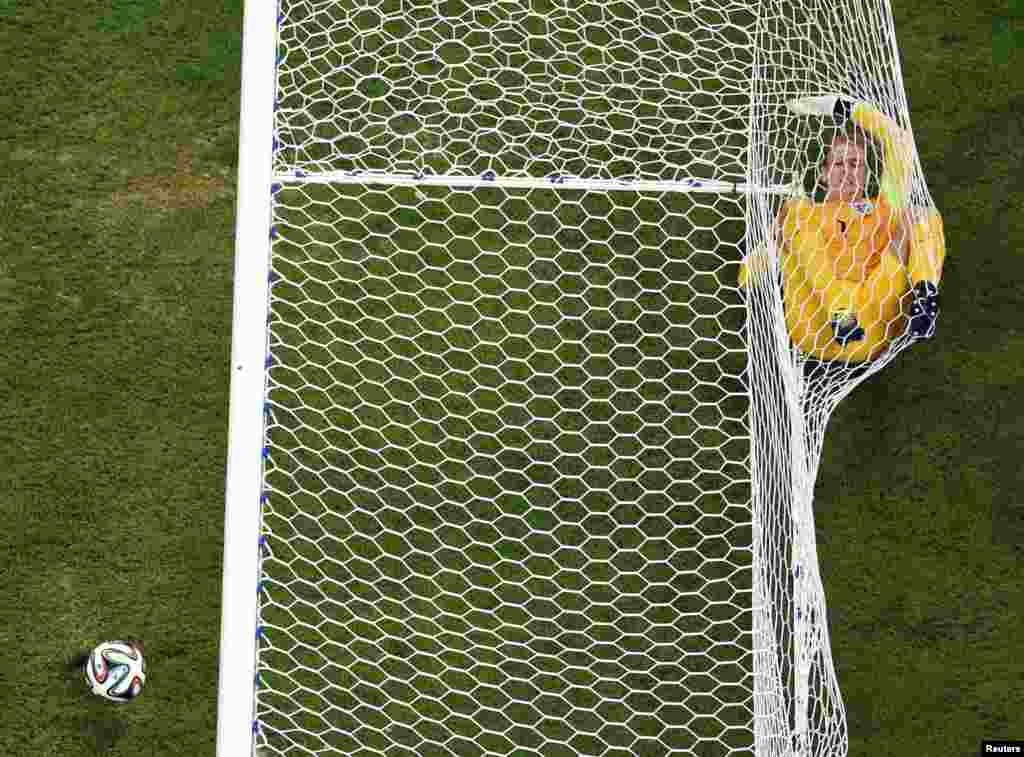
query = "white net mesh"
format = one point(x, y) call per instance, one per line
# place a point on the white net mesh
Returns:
point(538, 475)
point(596, 90)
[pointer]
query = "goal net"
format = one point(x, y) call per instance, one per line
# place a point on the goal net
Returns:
point(516, 467)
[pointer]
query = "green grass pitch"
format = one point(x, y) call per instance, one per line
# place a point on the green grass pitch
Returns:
point(115, 294)
point(487, 457)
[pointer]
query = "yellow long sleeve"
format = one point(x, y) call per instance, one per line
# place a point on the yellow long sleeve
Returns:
point(927, 246)
point(897, 153)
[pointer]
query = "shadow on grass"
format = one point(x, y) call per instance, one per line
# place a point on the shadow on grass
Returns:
point(94, 721)
point(101, 732)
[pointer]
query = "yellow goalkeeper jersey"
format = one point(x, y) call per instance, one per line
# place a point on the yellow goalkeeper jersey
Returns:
point(844, 289)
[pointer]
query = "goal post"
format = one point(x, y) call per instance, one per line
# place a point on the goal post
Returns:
point(244, 481)
point(515, 466)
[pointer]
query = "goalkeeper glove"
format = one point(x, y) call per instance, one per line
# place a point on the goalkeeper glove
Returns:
point(837, 106)
point(924, 310)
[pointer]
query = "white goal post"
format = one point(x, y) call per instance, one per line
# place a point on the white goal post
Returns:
point(515, 466)
point(244, 484)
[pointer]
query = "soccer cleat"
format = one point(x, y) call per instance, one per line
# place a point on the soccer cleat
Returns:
point(846, 329)
point(924, 310)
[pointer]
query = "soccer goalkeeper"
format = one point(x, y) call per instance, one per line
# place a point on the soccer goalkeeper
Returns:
point(857, 272)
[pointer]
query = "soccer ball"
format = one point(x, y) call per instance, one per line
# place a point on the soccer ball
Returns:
point(116, 671)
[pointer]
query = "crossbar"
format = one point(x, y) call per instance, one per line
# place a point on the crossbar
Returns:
point(490, 179)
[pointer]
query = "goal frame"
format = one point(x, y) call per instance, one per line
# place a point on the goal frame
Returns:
point(236, 725)
point(239, 604)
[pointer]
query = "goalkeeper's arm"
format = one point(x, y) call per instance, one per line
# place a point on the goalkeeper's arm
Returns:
point(756, 266)
point(897, 147)
point(920, 230)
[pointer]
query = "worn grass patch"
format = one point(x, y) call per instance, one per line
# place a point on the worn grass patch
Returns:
point(116, 223)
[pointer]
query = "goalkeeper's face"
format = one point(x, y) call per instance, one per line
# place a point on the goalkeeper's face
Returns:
point(845, 172)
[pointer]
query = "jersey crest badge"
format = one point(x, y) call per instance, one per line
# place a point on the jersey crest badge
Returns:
point(864, 207)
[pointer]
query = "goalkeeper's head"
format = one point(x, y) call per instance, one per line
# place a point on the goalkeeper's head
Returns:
point(844, 172)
